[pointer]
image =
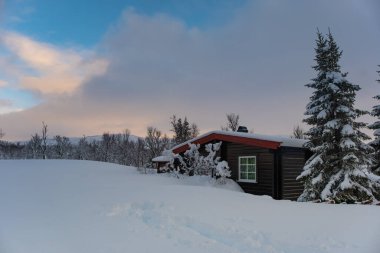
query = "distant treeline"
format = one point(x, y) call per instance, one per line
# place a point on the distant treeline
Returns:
point(115, 148)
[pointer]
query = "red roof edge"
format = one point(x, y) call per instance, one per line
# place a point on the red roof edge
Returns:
point(236, 139)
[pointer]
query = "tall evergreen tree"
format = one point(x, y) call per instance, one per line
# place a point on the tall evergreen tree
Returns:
point(338, 169)
point(376, 126)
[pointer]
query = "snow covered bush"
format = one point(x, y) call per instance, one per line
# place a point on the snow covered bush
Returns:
point(192, 162)
point(338, 171)
point(222, 172)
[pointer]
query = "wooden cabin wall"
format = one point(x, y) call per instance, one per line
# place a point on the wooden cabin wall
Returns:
point(264, 168)
point(292, 163)
point(276, 169)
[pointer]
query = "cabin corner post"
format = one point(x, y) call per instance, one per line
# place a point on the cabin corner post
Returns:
point(277, 177)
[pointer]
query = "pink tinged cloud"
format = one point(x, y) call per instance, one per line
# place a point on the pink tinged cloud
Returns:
point(7, 106)
point(3, 83)
point(55, 70)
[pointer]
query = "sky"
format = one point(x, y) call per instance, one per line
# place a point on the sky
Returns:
point(88, 67)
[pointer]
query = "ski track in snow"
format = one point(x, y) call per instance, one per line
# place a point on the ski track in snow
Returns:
point(233, 237)
point(155, 216)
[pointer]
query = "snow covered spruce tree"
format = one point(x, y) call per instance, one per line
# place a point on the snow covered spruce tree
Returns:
point(338, 171)
point(376, 126)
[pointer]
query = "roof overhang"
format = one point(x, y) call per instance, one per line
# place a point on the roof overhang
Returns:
point(161, 159)
point(229, 138)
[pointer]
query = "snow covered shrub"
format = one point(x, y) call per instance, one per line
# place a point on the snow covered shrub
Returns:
point(222, 172)
point(192, 162)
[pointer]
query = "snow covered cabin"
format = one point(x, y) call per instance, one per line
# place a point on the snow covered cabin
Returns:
point(160, 162)
point(260, 164)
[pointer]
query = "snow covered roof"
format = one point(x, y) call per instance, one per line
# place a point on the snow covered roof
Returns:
point(272, 141)
point(161, 158)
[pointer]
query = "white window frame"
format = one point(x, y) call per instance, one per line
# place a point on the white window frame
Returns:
point(248, 180)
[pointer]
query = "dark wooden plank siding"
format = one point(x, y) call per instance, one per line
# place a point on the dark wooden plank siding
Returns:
point(264, 167)
point(293, 160)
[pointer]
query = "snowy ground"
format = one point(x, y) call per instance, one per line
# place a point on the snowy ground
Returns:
point(91, 207)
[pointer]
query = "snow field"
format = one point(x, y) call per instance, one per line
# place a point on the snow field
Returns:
point(79, 206)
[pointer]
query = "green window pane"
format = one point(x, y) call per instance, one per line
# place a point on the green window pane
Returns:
point(243, 168)
point(251, 168)
point(243, 160)
point(243, 176)
point(251, 160)
point(251, 176)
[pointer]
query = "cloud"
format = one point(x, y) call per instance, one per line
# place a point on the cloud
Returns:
point(7, 106)
point(5, 103)
point(255, 65)
point(3, 83)
point(48, 69)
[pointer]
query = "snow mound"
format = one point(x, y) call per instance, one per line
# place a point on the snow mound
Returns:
point(59, 206)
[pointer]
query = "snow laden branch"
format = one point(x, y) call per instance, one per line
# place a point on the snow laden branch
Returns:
point(193, 162)
point(376, 127)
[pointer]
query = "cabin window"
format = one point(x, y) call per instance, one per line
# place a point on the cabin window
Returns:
point(247, 169)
